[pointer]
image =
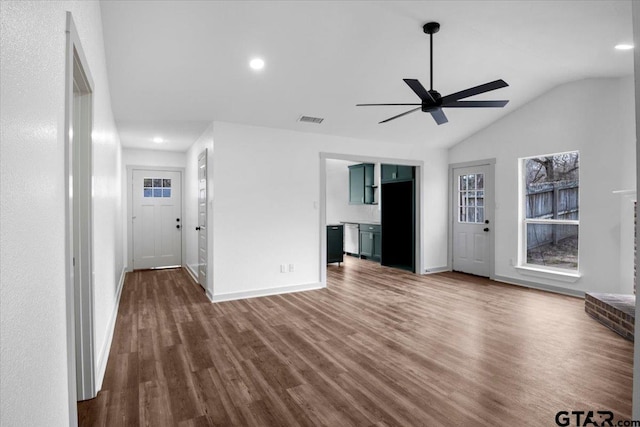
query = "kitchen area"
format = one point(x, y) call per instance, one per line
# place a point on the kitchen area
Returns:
point(371, 213)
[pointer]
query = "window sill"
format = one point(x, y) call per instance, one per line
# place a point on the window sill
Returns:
point(549, 273)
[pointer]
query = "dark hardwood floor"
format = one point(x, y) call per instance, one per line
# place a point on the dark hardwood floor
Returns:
point(377, 347)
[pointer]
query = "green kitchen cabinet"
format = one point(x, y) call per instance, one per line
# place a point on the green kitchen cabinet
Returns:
point(396, 173)
point(361, 184)
point(370, 242)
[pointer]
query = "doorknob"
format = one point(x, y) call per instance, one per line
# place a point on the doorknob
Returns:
point(486, 229)
point(197, 228)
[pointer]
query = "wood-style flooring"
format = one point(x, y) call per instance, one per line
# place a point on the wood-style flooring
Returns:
point(377, 347)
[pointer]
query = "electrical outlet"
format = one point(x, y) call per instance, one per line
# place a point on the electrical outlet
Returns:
point(283, 268)
point(290, 268)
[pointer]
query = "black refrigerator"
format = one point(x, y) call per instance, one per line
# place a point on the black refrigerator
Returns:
point(398, 224)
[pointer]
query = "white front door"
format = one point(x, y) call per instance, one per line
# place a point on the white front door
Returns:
point(202, 219)
point(473, 220)
point(157, 219)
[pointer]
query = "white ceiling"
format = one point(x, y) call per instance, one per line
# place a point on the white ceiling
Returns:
point(175, 66)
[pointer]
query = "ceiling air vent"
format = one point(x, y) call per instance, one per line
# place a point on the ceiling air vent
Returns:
point(309, 119)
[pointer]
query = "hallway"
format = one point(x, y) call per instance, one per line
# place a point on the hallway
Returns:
point(377, 347)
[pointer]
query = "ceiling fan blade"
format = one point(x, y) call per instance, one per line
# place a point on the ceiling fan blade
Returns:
point(439, 116)
point(475, 104)
point(496, 84)
point(400, 115)
point(417, 87)
point(375, 105)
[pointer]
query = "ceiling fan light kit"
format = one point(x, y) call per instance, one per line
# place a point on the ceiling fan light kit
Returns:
point(431, 100)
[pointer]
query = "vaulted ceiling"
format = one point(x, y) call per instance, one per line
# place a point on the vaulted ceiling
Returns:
point(175, 66)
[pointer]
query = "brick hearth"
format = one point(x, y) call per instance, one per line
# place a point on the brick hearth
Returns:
point(615, 311)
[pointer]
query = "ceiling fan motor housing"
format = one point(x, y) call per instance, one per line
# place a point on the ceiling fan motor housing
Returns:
point(428, 106)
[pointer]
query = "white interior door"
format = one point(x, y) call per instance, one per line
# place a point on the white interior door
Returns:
point(157, 219)
point(202, 219)
point(473, 220)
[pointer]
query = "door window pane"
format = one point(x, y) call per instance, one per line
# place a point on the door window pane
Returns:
point(470, 196)
point(157, 187)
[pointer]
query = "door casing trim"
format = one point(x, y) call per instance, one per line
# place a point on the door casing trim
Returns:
point(74, 167)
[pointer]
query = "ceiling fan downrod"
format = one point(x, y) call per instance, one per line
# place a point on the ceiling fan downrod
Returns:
point(431, 28)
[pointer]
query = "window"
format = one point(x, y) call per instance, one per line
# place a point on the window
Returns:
point(471, 198)
point(550, 203)
point(157, 187)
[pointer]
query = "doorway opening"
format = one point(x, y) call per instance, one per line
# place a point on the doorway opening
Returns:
point(79, 221)
point(387, 232)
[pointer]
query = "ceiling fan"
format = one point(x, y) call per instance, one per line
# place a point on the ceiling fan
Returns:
point(433, 102)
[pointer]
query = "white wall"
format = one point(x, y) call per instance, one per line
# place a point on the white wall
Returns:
point(266, 205)
point(338, 207)
point(565, 119)
point(159, 158)
point(190, 258)
point(34, 389)
point(147, 158)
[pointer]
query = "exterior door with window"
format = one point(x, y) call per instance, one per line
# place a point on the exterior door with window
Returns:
point(473, 220)
point(157, 219)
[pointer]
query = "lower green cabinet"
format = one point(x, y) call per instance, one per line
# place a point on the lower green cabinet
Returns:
point(370, 242)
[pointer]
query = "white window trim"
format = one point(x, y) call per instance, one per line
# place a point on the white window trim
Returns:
point(535, 270)
point(546, 272)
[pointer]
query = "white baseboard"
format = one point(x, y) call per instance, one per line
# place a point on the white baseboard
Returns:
point(540, 286)
point(104, 351)
point(192, 272)
point(434, 270)
point(266, 292)
point(194, 277)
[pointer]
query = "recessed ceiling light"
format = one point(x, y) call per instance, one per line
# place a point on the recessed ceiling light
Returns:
point(624, 46)
point(256, 64)
point(158, 140)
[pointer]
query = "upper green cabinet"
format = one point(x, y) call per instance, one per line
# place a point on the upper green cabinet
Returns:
point(391, 173)
point(361, 184)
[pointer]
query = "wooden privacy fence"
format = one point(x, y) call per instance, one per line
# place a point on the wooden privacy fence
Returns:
point(556, 200)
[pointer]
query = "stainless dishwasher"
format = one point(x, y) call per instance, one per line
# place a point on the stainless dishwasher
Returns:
point(352, 239)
